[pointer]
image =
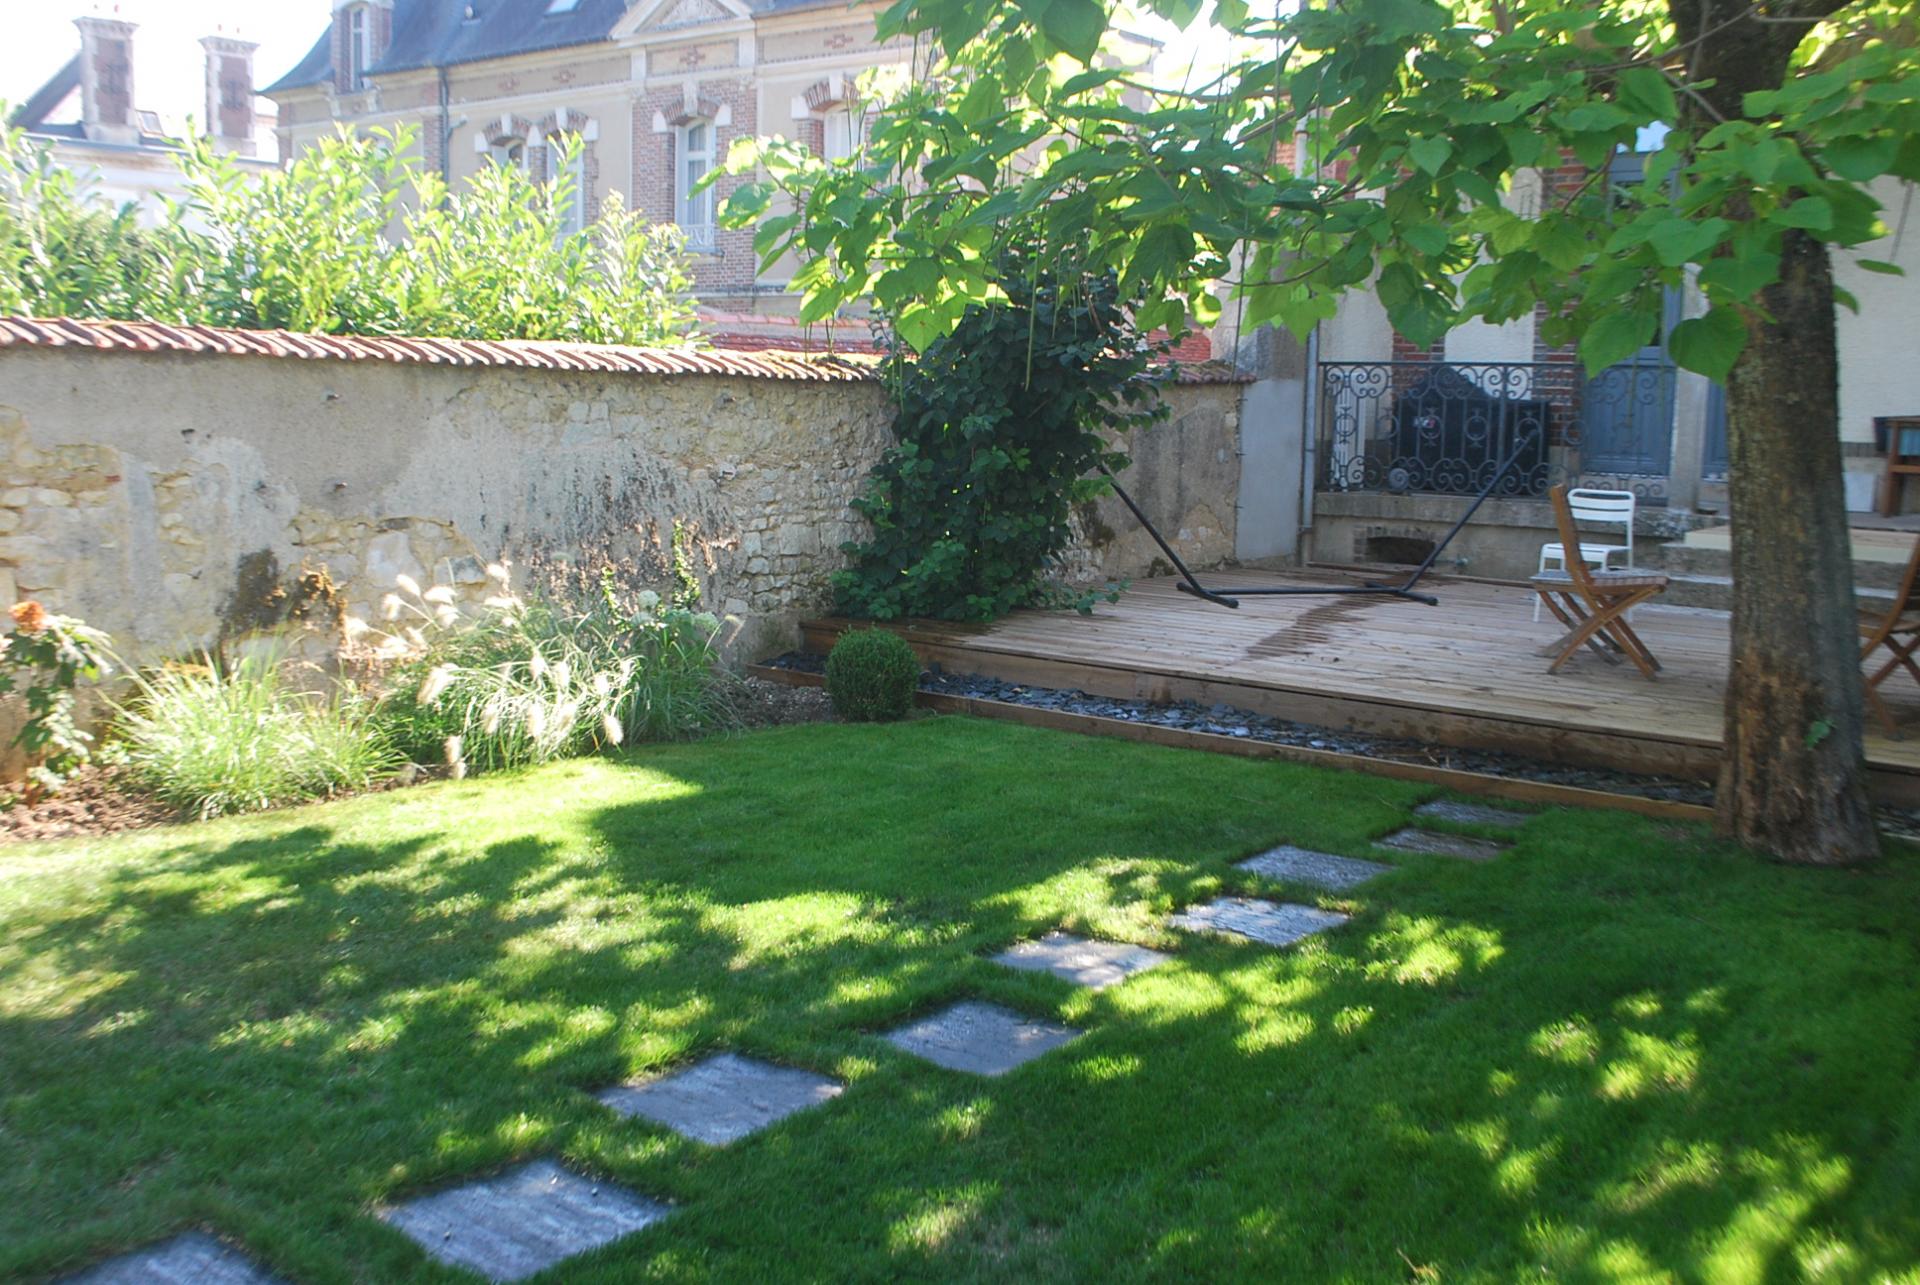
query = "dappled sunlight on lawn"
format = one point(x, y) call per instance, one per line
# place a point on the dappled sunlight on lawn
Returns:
point(1568, 1063)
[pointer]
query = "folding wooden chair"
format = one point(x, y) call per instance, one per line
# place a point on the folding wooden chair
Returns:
point(1897, 628)
point(1592, 604)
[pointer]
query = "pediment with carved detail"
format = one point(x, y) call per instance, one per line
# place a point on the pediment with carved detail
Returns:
point(672, 14)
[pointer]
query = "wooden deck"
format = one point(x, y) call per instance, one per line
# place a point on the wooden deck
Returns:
point(1466, 673)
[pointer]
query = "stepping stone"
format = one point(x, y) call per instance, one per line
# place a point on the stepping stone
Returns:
point(1275, 923)
point(1428, 844)
point(724, 1098)
point(1472, 814)
point(1080, 960)
point(983, 1039)
point(1322, 869)
point(523, 1221)
point(193, 1258)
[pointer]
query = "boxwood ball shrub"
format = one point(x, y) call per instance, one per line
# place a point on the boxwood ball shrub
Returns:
point(871, 676)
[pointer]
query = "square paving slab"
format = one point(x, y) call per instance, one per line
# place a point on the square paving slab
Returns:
point(1276, 923)
point(1427, 843)
point(1321, 869)
point(984, 1039)
point(1080, 960)
point(523, 1221)
point(194, 1258)
point(1472, 814)
point(724, 1098)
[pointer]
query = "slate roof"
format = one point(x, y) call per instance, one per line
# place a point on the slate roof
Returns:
point(437, 33)
point(40, 105)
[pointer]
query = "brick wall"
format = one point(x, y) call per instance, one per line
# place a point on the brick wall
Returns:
point(731, 269)
point(113, 80)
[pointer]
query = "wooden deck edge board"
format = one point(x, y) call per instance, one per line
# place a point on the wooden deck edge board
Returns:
point(834, 626)
point(1475, 783)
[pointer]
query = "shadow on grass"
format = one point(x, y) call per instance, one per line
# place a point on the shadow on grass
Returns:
point(1614, 1052)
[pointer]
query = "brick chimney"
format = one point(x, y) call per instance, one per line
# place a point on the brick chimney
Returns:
point(106, 80)
point(230, 97)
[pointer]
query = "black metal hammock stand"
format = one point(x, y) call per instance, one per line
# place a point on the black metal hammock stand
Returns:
point(1189, 583)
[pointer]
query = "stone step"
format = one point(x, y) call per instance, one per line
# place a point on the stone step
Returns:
point(1879, 557)
point(1715, 593)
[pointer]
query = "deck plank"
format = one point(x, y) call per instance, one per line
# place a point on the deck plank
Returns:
point(1468, 670)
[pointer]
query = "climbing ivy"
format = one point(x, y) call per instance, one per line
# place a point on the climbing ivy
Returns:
point(1003, 426)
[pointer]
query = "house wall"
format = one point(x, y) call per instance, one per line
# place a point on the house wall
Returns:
point(1877, 375)
point(178, 500)
point(680, 57)
point(1878, 372)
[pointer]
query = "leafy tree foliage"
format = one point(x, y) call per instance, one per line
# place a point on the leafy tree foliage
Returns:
point(1417, 119)
point(308, 248)
point(1003, 425)
point(1389, 145)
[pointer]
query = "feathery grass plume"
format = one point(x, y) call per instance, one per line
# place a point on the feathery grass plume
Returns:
point(523, 682)
point(212, 741)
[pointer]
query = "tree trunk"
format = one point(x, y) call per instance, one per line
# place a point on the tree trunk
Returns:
point(1792, 782)
point(1793, 774)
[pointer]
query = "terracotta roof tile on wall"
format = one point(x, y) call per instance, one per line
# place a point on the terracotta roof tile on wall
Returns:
point(527, 354)
point(152, 337)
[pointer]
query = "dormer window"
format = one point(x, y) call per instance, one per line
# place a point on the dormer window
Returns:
point(359, 47)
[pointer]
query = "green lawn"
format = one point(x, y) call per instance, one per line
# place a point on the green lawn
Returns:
point(1618, 1052)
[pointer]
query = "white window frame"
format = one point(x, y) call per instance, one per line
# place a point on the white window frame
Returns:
point(359, 49)
point(507, 150)
point(574, 176)
point(840, 116)
point(694, 211)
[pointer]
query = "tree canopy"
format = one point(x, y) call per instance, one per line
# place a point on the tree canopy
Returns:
point(1387, 143)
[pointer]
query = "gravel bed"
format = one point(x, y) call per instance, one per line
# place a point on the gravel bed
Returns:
point(1227, 720)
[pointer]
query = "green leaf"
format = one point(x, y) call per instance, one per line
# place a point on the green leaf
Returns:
point(1711, 344)
point(1076, 26)
point(1648, 91)
point(1429, 153)
point(1740, 275)
point(1428, 238)
point(1616, 336)
point(920, 325)
point(1422, 318)
point(1881, 266)
point(1814, 213)
point(1861, 159)
point(1678, 240)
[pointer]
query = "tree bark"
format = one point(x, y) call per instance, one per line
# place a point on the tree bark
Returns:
point(1793, 772)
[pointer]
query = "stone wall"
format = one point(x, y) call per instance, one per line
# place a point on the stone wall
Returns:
point(184, 501)
point(1501, 543)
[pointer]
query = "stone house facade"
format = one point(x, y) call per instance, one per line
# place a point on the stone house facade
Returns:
point(656, 90)
point(1394, 437)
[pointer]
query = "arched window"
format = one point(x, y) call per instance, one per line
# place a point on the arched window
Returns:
point(842, 131)
point(693, 158)
point(507, 150)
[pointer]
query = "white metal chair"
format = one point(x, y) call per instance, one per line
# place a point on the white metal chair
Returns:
point(1604, 508)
